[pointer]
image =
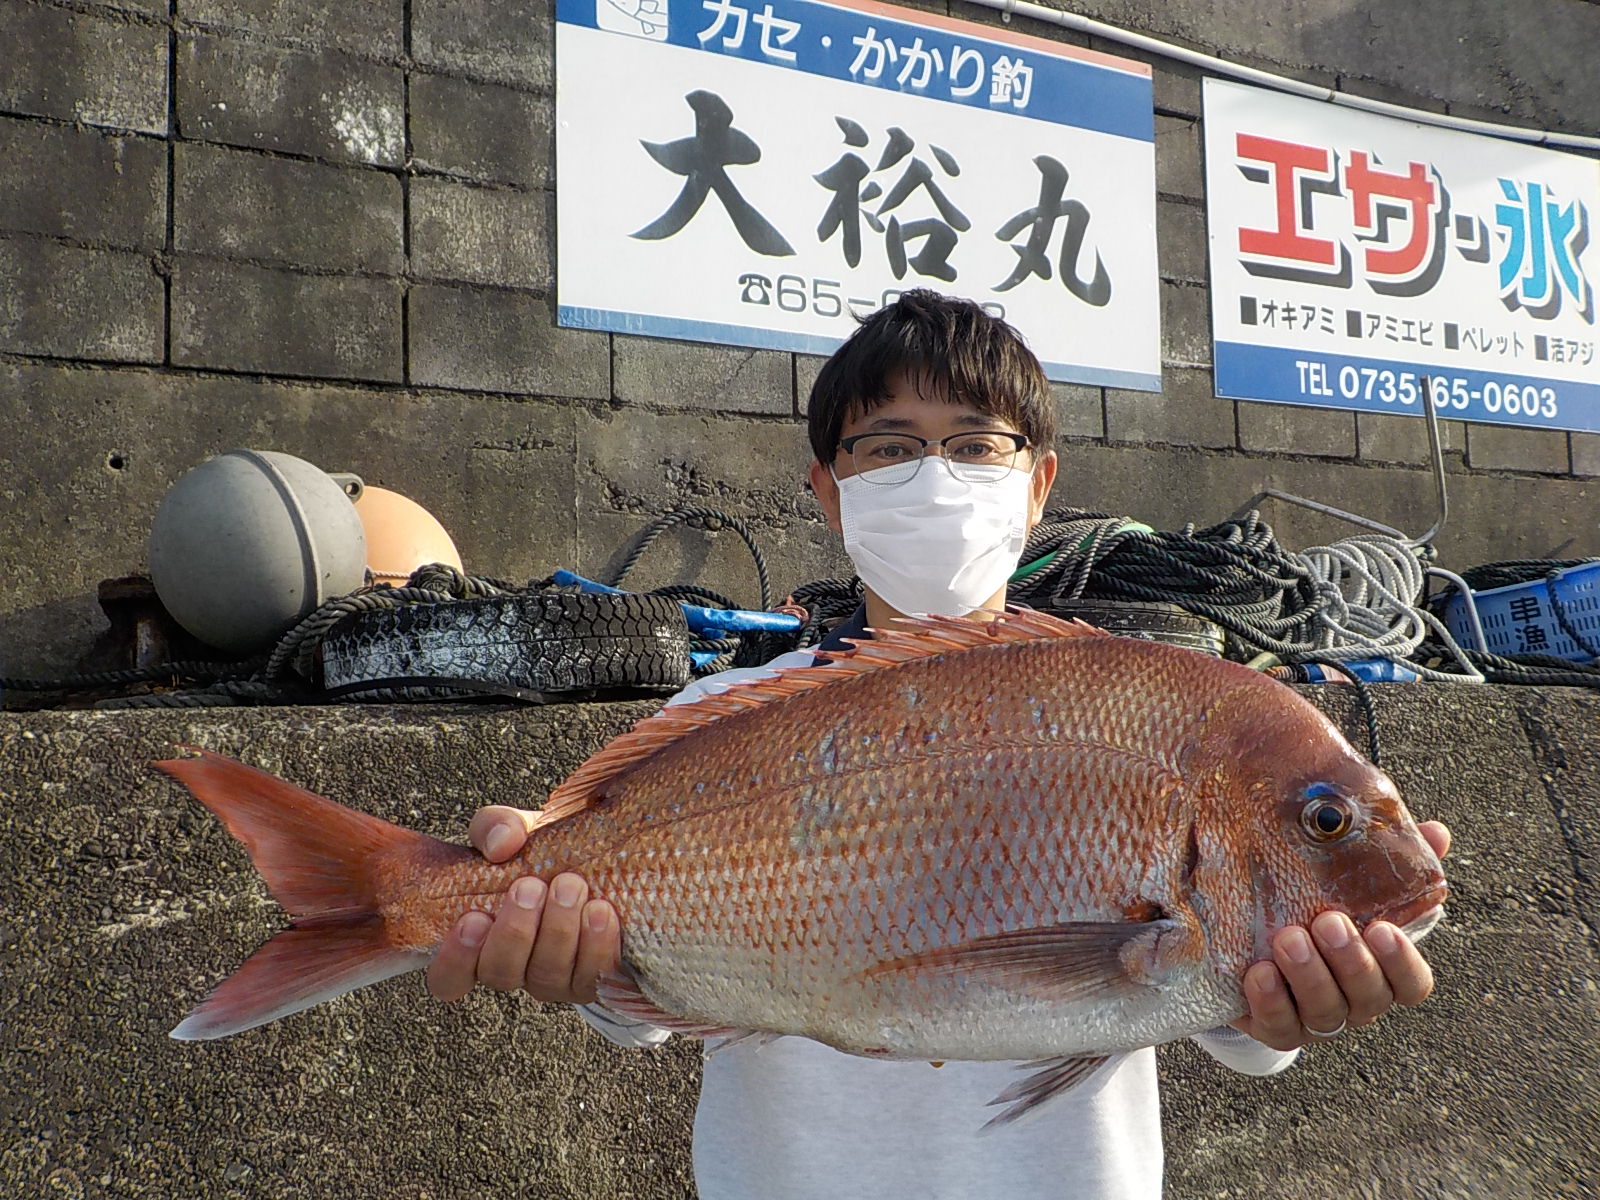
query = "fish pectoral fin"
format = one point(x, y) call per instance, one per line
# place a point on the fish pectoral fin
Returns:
point(1091, 959)
point(619, 992)
point(1048, 1078)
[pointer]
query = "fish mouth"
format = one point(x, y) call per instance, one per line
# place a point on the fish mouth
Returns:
point(1420, 927)
point(1418, 916)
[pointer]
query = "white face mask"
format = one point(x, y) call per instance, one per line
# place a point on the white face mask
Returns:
point(936, 544)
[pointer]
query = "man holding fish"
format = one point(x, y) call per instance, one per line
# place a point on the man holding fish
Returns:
point(932, 429)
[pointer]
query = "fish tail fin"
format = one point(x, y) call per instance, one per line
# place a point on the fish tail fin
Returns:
point(322, 862)
point(305, 965)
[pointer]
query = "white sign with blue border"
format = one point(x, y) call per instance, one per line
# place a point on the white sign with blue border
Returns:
point(1358, 259)
point(754, 174)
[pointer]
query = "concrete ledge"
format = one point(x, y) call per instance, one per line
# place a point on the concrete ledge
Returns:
point(122, 902)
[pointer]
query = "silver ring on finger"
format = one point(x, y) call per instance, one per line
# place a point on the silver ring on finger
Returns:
point(1326, 1035)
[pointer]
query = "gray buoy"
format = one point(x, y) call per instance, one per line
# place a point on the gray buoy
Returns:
point(249, 542)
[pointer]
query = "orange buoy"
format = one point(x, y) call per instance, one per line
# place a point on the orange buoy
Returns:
point(401, 536)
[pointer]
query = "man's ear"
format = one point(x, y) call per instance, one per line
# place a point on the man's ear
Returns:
point(826, 491)
point(1044, 475)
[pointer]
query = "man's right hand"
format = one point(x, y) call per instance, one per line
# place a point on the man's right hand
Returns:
point(553, 941)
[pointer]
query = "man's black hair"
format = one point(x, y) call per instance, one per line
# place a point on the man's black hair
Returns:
point(950, 349)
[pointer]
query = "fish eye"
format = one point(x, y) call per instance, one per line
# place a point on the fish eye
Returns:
point(1327, 817)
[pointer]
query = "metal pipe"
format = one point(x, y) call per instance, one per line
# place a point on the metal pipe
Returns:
point(1431, 417)
point(1325, 509)
point(1436, 451)
point(1218, 66)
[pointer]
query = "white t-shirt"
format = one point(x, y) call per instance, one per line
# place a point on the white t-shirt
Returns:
point(796, 1120)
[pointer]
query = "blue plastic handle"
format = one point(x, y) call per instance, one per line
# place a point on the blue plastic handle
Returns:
point(1381, 670)
point(1368, 670)
point(710, 620)
point(702, 620)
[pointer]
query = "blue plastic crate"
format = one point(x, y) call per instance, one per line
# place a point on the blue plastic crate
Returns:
point(1521, 619)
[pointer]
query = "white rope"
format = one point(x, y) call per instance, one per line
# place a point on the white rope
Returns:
point(1370, 582)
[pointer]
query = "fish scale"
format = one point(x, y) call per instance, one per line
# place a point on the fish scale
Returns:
point(924, 841)
point(1019, 839)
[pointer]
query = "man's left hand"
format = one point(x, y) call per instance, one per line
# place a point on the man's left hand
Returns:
point(1330, 977)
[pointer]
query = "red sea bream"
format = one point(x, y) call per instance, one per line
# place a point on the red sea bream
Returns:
point(1004, 840)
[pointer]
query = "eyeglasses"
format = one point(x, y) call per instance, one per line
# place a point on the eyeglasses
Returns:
point(893, 458)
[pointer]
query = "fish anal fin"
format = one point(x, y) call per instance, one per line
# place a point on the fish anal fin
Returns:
point(619, 992)
point(1047, 1079)
point(754, 1038)
point(910, 639)
point(1099, 959)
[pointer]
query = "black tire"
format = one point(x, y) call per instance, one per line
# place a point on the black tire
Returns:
point(1153, 621)
point(536, 646)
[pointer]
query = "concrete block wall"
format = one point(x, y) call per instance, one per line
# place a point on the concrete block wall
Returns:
point(329, 230)
point(1527, 67)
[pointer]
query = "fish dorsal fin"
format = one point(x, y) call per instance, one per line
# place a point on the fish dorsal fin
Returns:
point(912, 638)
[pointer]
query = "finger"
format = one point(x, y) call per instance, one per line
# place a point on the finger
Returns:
point(599, 945)
point(454, 969)
point(1317, 997)
point(1408, 974)
point(1437, 835)
point(505, 952)
point(1355, 970)
point(1273, 1019)
point(549, 970)
point(498, 831)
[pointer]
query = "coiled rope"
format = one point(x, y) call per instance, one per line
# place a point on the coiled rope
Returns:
point(710, 519)
point(153, 674)
point(1354, 599)
point(733, 650)
point(1373, 584)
